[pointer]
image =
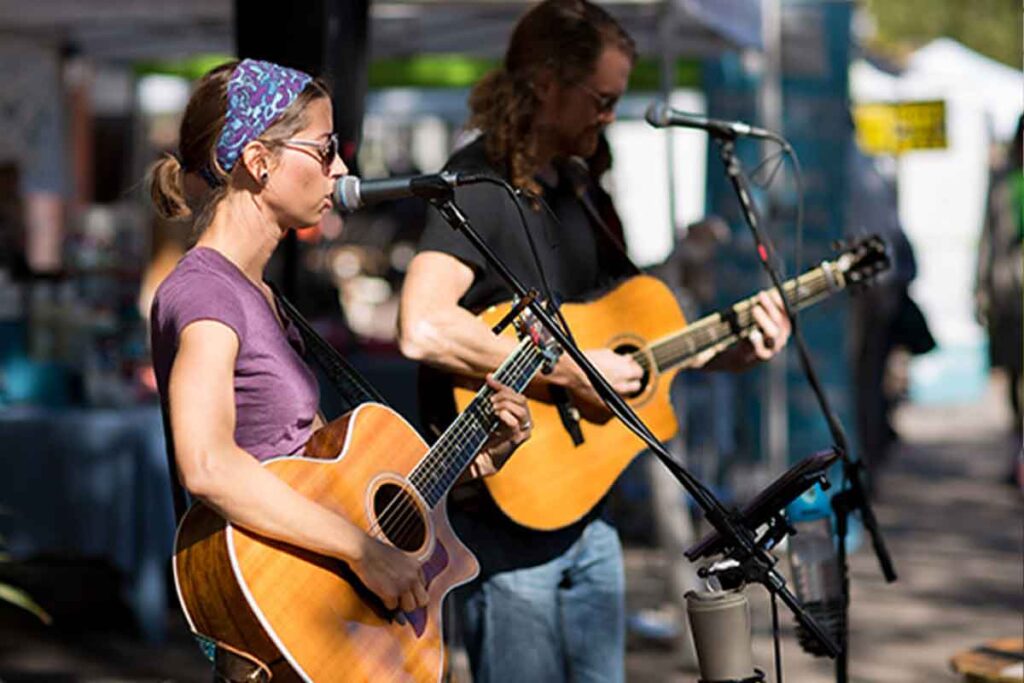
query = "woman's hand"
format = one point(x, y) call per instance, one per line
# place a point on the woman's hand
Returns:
point(514, 427)
point(392, 575)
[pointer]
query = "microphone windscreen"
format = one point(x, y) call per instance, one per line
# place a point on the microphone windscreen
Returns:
point(346, 193)
point(657, 114)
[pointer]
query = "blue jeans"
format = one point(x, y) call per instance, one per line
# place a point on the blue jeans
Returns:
point(548, 607)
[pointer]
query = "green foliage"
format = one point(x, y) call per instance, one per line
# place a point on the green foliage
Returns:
point(20, 598)
point(991, 27)
point(16, 596)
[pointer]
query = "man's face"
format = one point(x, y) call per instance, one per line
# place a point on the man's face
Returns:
point(577, 112)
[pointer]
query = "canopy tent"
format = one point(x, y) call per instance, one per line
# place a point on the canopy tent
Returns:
point(127, 30)
point(942, 198)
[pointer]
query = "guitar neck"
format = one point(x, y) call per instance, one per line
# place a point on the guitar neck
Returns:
point(464, 438)
point(722, 328)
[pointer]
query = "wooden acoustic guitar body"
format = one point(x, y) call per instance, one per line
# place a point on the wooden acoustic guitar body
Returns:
point(304, 616)
point(550, 483)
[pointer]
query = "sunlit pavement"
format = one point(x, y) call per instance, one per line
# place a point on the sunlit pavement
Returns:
point(955, 530)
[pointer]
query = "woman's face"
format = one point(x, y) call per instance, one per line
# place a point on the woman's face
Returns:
point(301, 182)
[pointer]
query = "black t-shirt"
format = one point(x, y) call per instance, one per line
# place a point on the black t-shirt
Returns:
point(579, 260)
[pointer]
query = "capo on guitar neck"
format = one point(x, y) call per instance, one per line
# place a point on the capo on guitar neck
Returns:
point(518, 306)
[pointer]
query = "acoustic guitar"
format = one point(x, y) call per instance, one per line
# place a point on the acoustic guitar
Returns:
point(551, 482)
point(300, 616)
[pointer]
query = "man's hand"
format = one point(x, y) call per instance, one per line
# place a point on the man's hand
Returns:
point(623, 374)
point(769, 336)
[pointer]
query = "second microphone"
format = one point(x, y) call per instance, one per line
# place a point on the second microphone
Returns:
point(351, 192)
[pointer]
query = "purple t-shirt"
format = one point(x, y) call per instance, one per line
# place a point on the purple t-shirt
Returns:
point(276, 394)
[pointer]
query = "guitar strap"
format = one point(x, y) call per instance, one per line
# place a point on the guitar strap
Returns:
point(576, 172)
point(352, 388)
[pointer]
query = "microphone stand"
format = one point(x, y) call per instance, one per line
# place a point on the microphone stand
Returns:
point(756, 564)
point(851, 496)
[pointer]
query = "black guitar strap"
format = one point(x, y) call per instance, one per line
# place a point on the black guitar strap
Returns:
point(578, 175)
point(352, 387)
point(575, 171)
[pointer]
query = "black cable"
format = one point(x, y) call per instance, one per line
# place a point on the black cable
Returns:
point(777, 639)
point(786, 150)
point(770, 175)
point(798, 180)
point(515, 196)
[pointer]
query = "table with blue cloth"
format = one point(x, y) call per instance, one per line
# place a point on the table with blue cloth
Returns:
point(91, 483)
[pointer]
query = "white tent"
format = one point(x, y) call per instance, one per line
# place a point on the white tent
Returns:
point(942, 197)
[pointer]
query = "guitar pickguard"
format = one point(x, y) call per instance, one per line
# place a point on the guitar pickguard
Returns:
point(431, 568)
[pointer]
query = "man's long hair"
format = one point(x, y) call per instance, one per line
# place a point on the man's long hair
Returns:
point(565, 36)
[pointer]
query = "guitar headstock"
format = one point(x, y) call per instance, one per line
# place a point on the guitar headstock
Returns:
point(863, 260)
point(527, 325)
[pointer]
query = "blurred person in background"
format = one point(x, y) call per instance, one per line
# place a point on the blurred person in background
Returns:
point(548, 605)
point(883, 317)
point(998, 294)
point(258, 158)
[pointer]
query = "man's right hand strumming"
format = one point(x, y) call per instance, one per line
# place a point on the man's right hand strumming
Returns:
point(622, 372)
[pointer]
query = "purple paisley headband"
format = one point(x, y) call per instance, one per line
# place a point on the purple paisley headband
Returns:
point(258, 93)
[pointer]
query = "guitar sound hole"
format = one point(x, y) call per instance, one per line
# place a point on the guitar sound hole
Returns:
point(399, 518)
point(628, 350)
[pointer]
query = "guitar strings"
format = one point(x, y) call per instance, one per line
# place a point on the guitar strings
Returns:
point(675, 349)
point(408, 514)
point(454, 436)
point(423, 469)
point(670, 351)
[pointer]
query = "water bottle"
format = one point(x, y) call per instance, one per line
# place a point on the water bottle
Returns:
point(815, 568)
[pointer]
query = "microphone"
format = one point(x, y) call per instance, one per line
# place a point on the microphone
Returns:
point(351, 193)
point(660, 115)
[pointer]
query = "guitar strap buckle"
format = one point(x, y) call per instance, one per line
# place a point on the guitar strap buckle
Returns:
point(568, 413)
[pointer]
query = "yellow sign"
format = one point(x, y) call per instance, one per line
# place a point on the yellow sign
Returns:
point(897, 127)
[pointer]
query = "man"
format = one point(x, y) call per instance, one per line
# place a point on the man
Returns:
point(548, 606)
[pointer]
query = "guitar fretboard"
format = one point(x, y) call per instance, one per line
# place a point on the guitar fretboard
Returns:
point(723, 328)
point(461, 442)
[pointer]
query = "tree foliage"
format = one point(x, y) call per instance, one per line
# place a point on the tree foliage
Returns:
point(991, 27)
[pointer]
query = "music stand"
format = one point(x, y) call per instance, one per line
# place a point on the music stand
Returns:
point(770, 504)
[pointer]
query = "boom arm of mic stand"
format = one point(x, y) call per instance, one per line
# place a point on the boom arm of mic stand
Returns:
point(756, 560)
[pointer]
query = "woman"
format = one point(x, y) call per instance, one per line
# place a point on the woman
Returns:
point(258, 158)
